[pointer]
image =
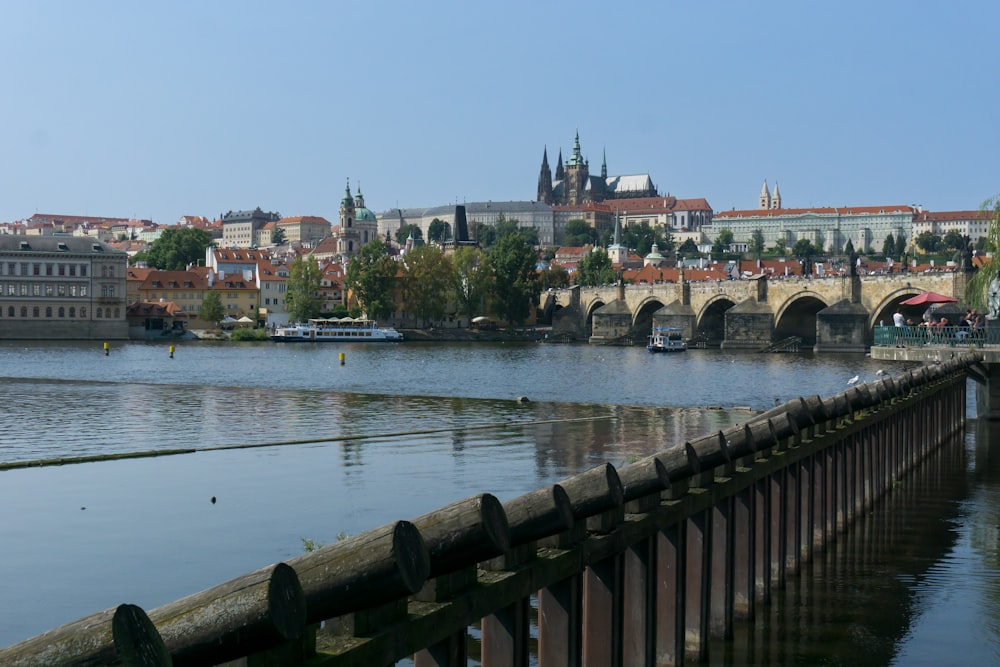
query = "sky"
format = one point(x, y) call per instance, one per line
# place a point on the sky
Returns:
point(159, 110)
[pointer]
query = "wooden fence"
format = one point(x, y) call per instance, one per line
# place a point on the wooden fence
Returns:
point(631, 566)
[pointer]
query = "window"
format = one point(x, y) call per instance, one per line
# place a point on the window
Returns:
point(83, 312)
point(83, 291)
point(100, 313)
point(36, 269)
point(61, 291)
point(62, 312)
point(83, 270)
point(62, 269)
point(118, 313)
point(72, 311)
point(36, 289)
point(48, 269)
point(34, 311)
point(24, 289)
point(72, 290)
point(10, 311)
point(48, 311)
point(24, 311)
point(49, 290)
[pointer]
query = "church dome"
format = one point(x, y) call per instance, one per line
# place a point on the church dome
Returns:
point(364, 214)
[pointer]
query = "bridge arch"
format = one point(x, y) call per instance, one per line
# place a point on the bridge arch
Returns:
point(797, 317)
point(591, 307)
point(711, 321)
point(642, 318)
point(887, 306)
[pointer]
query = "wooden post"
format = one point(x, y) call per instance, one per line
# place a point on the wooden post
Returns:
point(559, 623)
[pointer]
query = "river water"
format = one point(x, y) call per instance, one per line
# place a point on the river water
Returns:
point(290, 444)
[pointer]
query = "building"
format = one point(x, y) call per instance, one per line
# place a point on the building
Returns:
point(973, 224)
point(358, 225)
point(185, 289)
point(272, 286)
point(239, 228)
point(61, 288)
point(308, 229)
point(573, 183)
point(463, 220)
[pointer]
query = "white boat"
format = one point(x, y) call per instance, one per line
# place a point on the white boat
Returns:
point(333, 330)
point(666, 339)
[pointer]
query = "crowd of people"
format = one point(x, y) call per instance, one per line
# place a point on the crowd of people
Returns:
point(932, 328)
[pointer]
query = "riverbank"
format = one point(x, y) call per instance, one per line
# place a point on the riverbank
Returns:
point(529, 334)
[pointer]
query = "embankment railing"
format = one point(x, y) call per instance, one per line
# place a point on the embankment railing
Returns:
point(635, 566)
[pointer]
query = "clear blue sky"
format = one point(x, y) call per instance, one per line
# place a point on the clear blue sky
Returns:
point(163, 109)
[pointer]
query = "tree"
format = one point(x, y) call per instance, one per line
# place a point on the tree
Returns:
point(277, 235)
point(177, 248)
point(900, 248)
point(757, 242)
point(722, 241)
point(438, 231)
point(514, 287)
point(577, 232)
point(429, 279)
point(888, 246)
point(689, 247)
point(928, 242)
point(804, 248)
point(641, 237)
point(953, 240)
point(488, 235)
point(553, 276)
point(211, 307)
point(472, 280)
point(371, 276)
point(780, 247)
point(849, 248)
point(595, 268)
point(305, 280)
point(404, 232)
point(977, 290)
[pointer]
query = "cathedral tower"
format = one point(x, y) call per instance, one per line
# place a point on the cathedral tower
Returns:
point(776, 197)
point(765, 197)
point(545, 179)
point(577, 176)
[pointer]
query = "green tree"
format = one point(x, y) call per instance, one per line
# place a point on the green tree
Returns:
point(488, 235)
point(553, 276)
point(641, 237)
point(689, 247)
point(472, 280)
point(438, 231)
point(595, 268)
point(305, 280)
point(177, 248)
point(804, 248)
point(515, 286)
point(405, 230)
point(888, 246)
point(371, 276)
point(849, 248)
point(722, 241)
point(757, 242)
point(900, 248)
point(277, 235)
point(428, 280)
point(928, 242)
point(577, 232)
point(953, 240)
point(977, 289)
point(211, 307)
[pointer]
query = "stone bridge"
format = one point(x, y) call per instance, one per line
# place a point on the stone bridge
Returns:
point(832, 314)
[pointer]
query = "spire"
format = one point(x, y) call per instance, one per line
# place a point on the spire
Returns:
point(559, 167)
point(347, 193)
point(545, 180)
point(577, 158)
point(359, 199)
point(776, 197)
point(604, 163)
point(765, 197)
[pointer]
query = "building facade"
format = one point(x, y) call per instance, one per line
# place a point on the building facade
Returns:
point(239, 228)
point(973, 224)
point(61, 288)
point(357, 226)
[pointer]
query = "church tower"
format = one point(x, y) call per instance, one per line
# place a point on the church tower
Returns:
point(616, 251)
point(577, 176)
point(776, 197)
point(347, 208)
point(765, 197)
point(559, 167)
point(545, 179)
point(604, 164)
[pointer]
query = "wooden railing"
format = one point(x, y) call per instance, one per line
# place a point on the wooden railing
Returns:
point(630, 566)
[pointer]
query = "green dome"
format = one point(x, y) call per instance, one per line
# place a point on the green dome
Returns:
point(364, 214)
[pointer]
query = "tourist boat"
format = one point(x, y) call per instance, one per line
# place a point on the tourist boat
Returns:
point(335, 330)
point(666, 339)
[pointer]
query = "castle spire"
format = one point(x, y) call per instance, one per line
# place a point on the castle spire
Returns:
point(545, 179)
point(559, 167)
point(604, 163)
point(776, 197)
point(765, 197)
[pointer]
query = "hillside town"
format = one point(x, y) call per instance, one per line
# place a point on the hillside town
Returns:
point(74, 276)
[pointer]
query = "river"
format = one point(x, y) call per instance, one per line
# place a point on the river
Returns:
point(290, 444)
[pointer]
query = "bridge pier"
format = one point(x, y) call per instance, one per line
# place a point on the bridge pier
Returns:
point(843, 327)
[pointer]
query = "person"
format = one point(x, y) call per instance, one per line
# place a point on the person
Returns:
point(898, 319)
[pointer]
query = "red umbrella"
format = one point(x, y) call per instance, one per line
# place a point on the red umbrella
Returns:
point(927, 298)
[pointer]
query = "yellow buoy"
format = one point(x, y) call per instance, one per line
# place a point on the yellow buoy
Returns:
point(341, 358)
point(107, 349)
point(171, 351)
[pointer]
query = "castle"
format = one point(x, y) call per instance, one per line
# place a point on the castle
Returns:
point(573, 185)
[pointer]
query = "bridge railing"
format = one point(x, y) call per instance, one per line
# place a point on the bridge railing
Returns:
point(634, 566)
point(923, 336)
